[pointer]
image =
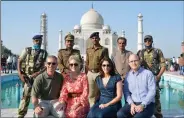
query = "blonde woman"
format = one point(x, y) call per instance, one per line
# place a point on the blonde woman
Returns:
point(75, 90)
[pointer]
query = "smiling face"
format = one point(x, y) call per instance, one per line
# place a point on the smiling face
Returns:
point(134, 62)
point(51, 65)
point(74, 65)
point(106, 67)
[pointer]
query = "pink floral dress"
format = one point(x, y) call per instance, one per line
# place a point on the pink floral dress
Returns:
point(80, 87)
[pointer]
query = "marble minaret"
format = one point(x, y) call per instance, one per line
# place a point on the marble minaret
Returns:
point(140, 32)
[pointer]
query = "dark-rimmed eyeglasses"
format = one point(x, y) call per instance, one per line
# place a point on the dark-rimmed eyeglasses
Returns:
point(74, 64)
point(51, 63)
point(105, 65)
point(133, 61)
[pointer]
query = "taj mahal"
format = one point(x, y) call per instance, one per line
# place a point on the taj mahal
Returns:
point(90, 22)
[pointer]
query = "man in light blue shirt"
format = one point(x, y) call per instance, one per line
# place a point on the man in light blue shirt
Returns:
point(139, 91)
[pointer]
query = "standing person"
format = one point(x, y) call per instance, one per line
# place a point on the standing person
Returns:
point(139, 91)
point(9, 62)
point(3, 63)
point(120, 57)
point(46, 91)
point(30, 65)
point(181, 64)
point(64, 54)
point(108, 102)
point(14, 62)
point(94, 55)
point(153, 60)
point(74, 93)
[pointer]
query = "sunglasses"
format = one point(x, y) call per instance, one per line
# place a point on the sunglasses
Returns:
point(49, 63)
point(74, 64)
point(147, 40)
point(36, 40)
point(133, 61)
point(105, 65)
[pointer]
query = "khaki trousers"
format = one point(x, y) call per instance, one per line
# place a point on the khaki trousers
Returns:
point(93, 89)
point(49, 106)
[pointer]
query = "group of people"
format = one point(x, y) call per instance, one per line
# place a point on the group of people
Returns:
point(8, 64)
point(98, 91)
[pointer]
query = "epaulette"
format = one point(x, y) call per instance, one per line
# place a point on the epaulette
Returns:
point(61, 50)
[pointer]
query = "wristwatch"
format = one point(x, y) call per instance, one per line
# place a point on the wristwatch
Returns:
point(143, 105)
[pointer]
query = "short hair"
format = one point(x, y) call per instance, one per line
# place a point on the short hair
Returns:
point(112, 71)
point(76, 58)
point(52, 56)
point(122, 38)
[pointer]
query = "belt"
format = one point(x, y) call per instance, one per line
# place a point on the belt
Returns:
point(73, 95)
point(94, 70)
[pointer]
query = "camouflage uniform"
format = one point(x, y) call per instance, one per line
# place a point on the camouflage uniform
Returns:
point(64, 54)
point(147, 58)
point(32, 61)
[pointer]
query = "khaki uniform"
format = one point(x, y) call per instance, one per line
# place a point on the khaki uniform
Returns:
point(63, 56)
point(120, 60)
point(32, 61)
point(93, 58)
point(147, 61)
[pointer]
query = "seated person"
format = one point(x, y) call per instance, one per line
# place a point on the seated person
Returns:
point(139, 91)
point(75, 90)
point(46, 91)
point(110, 87)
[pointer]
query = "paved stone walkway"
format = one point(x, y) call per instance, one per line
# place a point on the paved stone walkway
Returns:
point(13, 113)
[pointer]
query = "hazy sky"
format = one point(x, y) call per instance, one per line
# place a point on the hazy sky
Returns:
point(163, 20)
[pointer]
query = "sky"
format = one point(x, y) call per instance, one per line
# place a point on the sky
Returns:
point(164, 20)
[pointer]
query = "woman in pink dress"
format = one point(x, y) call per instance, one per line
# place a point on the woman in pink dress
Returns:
point(75, 89)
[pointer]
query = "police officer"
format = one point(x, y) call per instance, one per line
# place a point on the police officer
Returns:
point(64, 54)
point(94, 55)
point(153, 59)
point(30, 65)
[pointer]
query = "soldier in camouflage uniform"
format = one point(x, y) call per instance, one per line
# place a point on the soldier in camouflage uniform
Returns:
point(64, 54)
point(30, 65)
point(94, 55)
point(153, 59)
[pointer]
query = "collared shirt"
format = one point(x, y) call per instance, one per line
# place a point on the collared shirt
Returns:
point(140, 86)
point(63, 56)
point(120, 59)
point(94, 56)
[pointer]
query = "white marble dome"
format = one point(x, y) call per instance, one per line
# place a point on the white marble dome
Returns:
point(91, 20)
point(77, 27)
point(106, 27)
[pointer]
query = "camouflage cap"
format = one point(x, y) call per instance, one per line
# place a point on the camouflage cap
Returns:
point(148, 37)
point(37, 37)
point(94, 34)
point(69, 37)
